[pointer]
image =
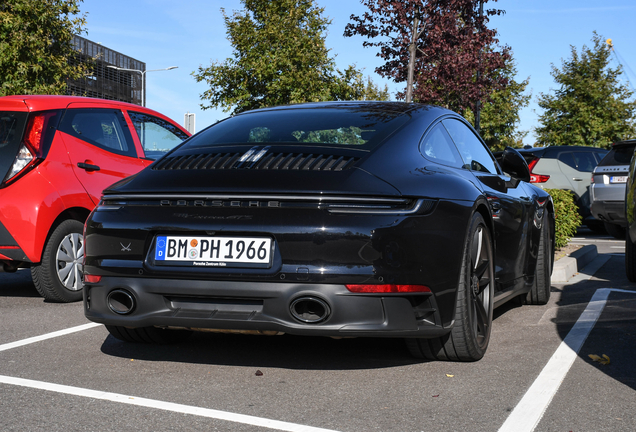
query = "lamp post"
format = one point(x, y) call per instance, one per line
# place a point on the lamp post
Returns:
point(143, 77)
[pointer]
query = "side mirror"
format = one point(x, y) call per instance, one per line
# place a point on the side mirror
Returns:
point(515, 165)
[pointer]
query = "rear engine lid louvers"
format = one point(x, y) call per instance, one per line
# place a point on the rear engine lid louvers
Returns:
point(271, 161)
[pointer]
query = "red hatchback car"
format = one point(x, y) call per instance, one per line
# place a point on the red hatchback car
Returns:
point(57, 154)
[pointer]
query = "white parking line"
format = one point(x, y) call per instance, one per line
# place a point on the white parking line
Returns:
point(524, 418)
point(34, 339)
point(529, 411)
point(166, 406)
point(133, 400)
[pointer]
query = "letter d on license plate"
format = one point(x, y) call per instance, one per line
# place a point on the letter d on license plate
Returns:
point(214, 251)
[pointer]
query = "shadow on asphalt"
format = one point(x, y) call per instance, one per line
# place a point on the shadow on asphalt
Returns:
point(285, 351)
point(18, 284)
point(614, 334)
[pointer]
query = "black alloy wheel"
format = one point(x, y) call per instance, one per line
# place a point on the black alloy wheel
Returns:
point(469, 337)
point(539, 293)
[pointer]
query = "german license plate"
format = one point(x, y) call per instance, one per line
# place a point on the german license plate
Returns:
point(213, 251)
point(618, 179)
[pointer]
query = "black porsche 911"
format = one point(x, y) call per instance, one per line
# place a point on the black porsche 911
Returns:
point(339, 219)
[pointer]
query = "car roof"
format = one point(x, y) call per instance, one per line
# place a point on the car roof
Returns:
point(403, 107)
point(554, 151)
point(47, 102)
point(44, 102)
point(624, 143)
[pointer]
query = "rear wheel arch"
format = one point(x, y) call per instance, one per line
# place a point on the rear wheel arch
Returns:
point(483, 210)
point(469, 336)
point(57, 276)
point(79, 214)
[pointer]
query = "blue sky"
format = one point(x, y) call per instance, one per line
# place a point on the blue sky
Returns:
point(190, 33)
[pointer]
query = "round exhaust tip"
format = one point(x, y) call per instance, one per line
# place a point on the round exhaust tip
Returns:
point(120, 301)
point(310, 310)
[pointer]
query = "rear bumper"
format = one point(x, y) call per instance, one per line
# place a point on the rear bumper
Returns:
point(263, 306)
point(610, 211)
point(10, 252)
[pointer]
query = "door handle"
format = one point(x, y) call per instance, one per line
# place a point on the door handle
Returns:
point(577, 179)
point(88, 167)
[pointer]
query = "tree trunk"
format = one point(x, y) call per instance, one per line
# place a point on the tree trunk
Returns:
point(412, 52)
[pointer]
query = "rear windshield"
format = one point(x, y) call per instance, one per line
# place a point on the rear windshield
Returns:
point(618, 156)
point(342, 127)
point(11, 130)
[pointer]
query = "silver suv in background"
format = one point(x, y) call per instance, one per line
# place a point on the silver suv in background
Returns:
point(566, 167)
point(607, 191)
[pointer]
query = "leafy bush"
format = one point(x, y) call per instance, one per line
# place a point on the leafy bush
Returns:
point(567, 218)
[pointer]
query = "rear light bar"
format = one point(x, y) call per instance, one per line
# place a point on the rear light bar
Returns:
point(536, 178)
point(387, 288)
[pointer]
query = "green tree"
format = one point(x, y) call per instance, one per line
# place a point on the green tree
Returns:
point(35, 45)
point(500, 115)
point(591, 107)
point(371, 91)
point(279, 57)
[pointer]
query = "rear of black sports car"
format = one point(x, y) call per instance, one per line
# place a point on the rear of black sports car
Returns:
point(340, 229)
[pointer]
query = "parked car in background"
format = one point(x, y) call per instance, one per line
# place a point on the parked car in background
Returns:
point(607, 191)
point(57, 154)
point(569, 168)
point(323, 219)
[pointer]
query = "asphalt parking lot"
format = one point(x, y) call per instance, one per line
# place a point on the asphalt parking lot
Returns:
point(82, 379)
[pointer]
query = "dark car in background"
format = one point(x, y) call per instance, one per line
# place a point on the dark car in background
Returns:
point(324, 219)
point(569, 168)
point(607, 190)
point(57, 154)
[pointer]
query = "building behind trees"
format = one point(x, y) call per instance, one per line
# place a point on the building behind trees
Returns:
point(102, 81)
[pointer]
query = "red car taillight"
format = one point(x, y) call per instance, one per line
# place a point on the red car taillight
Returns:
point(92, 278)
point(31, 151)
point(537, 178)
point(387, 288)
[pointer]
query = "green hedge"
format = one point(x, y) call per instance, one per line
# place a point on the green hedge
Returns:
point(567, 218)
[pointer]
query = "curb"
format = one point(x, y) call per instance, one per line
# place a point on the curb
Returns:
point(568, 266)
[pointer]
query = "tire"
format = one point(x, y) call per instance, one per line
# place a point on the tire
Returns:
point(151, 335)
point(630, 259)
point(58, 277)
point(469, 337)
point(616, 231)
point(539, 294)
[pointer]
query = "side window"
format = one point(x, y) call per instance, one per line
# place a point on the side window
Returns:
point(475, 155)
point(104, 128)
point(438, 147)
point(599, 156)
point(567, 159)
point(157, 136)
point(585, 161)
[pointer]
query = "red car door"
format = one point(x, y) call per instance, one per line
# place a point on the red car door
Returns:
point(100, 147)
